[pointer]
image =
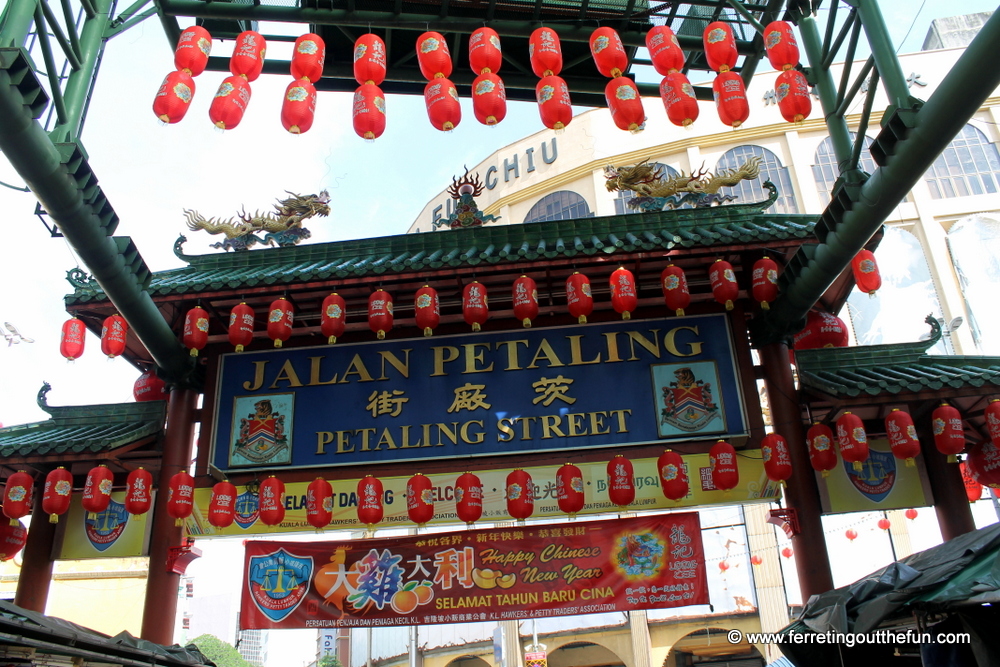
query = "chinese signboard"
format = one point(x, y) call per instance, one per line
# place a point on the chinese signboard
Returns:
point(477, 575)
point(883, 483)
point(478, 394)
point(113, 533)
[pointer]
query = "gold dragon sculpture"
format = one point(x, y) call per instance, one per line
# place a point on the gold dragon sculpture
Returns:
point(700, 188)
point(283, 227)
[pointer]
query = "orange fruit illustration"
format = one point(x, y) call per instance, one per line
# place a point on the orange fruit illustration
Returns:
point(424, 593)
point(403, 602)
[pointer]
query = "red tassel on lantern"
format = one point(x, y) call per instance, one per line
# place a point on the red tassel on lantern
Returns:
point(12, 540)
point(427, 309)
point(271, 501)
point(569, 489)
point(230, 103)
point(679, 100)
point(281, 316)
point(489, 100)
point(333, 314)
point(520, 494)
point(777, 458)
point(731, 99)
point(554, 104)
point(419, 499)
point(97, 491)
point(664, 50)
point(72, 339)
point(578, 297)
point(380, 313)
point(195, 335)
point(525, 300)
point(138, 492)
point(369, 59)
point(608, 51)
point(822, 330)
point(545, 52)
point(865, 270)
point(308, 57)
point(621, 481)
point(468, 498)
point(765, 282)
point(113, 335)
point(298, 107)
point(902, 436)
point(675, 289)
point(485, 55)
point(475, 306)
point(991, 415)
point(193, 49)
point(852, 439)
point(792, 91)
point(180, 497)
point(973, 489)
point(222, 506)
point(247, 60)
point(173, 99)
point(57, 492)
point(725, 472)
point(720, 46)
point(949, 434)
point(779, 42)
point(623, 294)
point(724, 286)
point(673, 477)
point(149, 387)
point(241, 323)
point(443, 108)
point(370, 510)
point(822, 456)
point(17, 496)
point(319, 503)
point(625, 105)
point(433, 56)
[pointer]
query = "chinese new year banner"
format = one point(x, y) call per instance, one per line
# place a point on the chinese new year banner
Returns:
point(582, 567)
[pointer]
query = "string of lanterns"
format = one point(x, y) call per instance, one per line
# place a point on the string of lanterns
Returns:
point(298, 108)
point(233, 96)
point(173, 99)
point(551, 92)
point(368, 112)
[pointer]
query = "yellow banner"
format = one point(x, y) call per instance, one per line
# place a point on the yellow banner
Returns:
point(114, 533)
point(883, 483)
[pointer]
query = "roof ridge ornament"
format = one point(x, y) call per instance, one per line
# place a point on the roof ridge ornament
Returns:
point(41, 398)
point(655, 191)
point(283, 228)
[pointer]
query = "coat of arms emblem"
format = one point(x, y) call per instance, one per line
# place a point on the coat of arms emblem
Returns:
point(262, 434)
point(688, 404)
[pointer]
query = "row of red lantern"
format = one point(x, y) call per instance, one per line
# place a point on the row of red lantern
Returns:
point(72, 340)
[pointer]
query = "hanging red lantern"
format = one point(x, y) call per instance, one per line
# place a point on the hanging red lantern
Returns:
point(138, 492)
point(673, 477)
point(973, 489)
point(433, 56)
point(427, 309)
point(180, 497)
point(545, 52)
point(443, 108)
point(991, 415)
point(779, 42)
point(554, 104)
point(910, 514)
point(865, 269)
point(984, 464)
point(195, 335)
point(625, 104)
point(822, 330)
point(419, 499)
point(520, 494)
point(675, 289)
point(730, 99)
point(725, 472)
point(485, 55)
point(149, 387)
point(380, 312)
point(193, 49)
point(113, 335)
point(230, 103)
point(777, 458)
point(621, 481)
point(333, 317)
point(73, 339)
point(884, 524)
point(765, 282)
point(241, 324)
point(489, 100)
point(370, 510)
point(949, 434)
point(369, 59)
point(280, 317)
point(792, 91)
point(475, 306)
point(723, 566)
point(578, 297)
point(623, 292)
point(756, 560)
point(247, 60)
point(723, 280)
point(569, 489)
point(298, 107)
point(222, 506)
point(787, 552)
point(851, 534)
point(822, 455)
point(319, 503)
point(720, 46)
point(308, 57)
point(17, 496)
point(525, 300)
point(271, 501)
point(679, 99)
point(369, 111)
point(57, 492)
point(902, 436)
point(12, 540)
point(173, 99)
point(664, 50)
point(469, 498)
point(97, 490)
point(608, 51)
point(852, 439)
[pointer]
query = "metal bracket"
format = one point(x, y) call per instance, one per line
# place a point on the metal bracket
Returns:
point(787, 519)
point(178, 558)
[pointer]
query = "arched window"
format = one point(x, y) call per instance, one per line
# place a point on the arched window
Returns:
point(561, 205)
point(621, 201)
point(826, 170)
point(747, 192)
point(974, 243)
point(969, 166)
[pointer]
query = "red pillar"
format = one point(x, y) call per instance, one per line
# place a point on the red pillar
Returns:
point(36, 567)
point(160, 607)
point(812, 562)
point(950, 502)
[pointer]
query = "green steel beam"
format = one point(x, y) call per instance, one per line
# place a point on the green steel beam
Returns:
point(80, 83)
point(821, 77)
point(885, 55)
point(15, 23)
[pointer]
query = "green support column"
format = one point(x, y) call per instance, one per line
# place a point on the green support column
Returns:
point(17, 20)
point(81, 82)
point(840, 136)
point(884, 53)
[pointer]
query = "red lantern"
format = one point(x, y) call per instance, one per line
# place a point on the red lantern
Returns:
point(433, 56)
point(822, 330)
point(984, 464)
point(319, 503)
point(545, 52)
point(419, 499)
point(723, 566)
point(609, 52)
point(280, 317)
point(902, 436)
point(949, 434)
point(765, 282)
point(724, 286)
point(12, 539)
point(525, 300)
point(621, 481)
point(725, 472)
point(852, 439)
point(173, 99)
point(380, 312)
point(180, 497)
point(308, 57)
point(554, 104)
point(777, 458)
point(443, 109)
point(822, 456)
point(865, 269)
point(369, 112)
point(195, 335)
point(271, 501)
point(756, 560)
point(489, 100)
point(623, 295)
point(992, 417)
point(222, 507)
point(241, 323)
point(298, 108)
point(569, 489)
point(787, 552)
point(673, 477)
point(369, 59)
point(664, 50)
point(17, 496)
point(884, 524)
point(149, 387)
point(97, 491)
point(113, 335)
point(193, 48)
point(679, 99)
point(851, 534)
point(578, 297)
point(792, 91)
point(720, 46)
point(427, 309)
point(625, 105)
point(333, 317)
point(730, 99)
point(230, 102)
point(247, 60)
point(469, 498)
point(138, 492)
point(370, 510)
point(675, 289)
point(475, 307)
point(910, 514)
point(973, 489)
point(57, 492)
point(73, 338)
point(485, 55)
point(782, 49)
point(520, 494)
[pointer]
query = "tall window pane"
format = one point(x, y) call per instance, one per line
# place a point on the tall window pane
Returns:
point(974, 243)
point(747, 192)
point(825, 171)
point(969, 165)
point(562, 205)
